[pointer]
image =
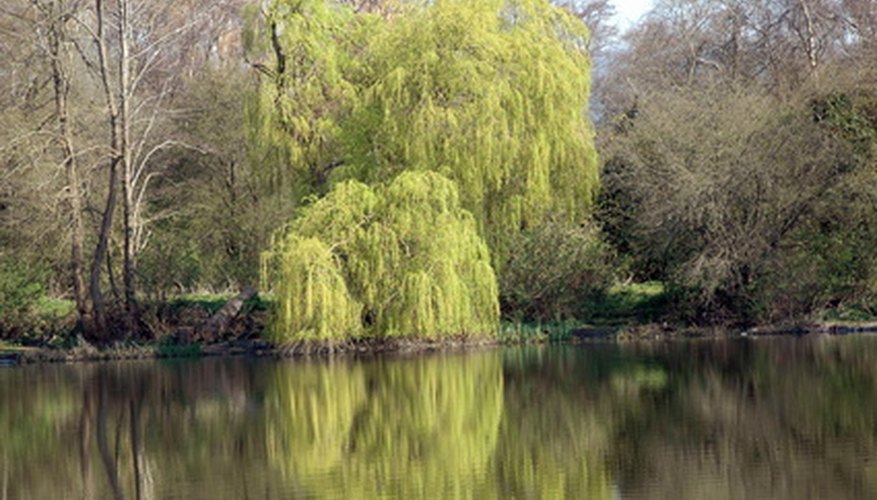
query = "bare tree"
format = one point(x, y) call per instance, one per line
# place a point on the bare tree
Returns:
point(597, 15)
point(142, 51)
point(781, 45)
point(58, 15)
point(720, 178)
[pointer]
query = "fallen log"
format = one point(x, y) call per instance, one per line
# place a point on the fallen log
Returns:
point(218, 323)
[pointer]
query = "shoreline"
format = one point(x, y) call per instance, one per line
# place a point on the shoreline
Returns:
point(17, 355)
point(663, 331)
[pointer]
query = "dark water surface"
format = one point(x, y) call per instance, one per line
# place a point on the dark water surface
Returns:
point(748, 419)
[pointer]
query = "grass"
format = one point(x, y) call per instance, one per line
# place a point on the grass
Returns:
point(52, 308)
point(515, 332)
point(83, 351)
point(623, 304)
point(6, 346)
point(850, 312)
point(627, 302)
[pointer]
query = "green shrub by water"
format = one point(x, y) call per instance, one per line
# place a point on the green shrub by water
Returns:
point(27, 314)
point(169, 349)
point(21, 288)
point(625, 302)
point(556, 272)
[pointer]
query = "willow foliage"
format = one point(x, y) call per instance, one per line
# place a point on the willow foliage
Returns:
point(394, 260)
point(491, 94)
point(292, 122)
point(314, 301)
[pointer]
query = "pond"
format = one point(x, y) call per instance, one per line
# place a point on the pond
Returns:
point(748, 419)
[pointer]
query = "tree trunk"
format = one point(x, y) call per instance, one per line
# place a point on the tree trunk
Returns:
point(128, 276)
point(101, 332)
point(220, 321)
point(57, 38)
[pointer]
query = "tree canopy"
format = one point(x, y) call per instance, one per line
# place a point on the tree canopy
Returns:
point(393, 260)
point(492, 95)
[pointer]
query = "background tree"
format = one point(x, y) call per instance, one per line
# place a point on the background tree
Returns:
point(136, 79)
point(43, 195)
point(735, 127)
point(720, 180)
point(64, 74)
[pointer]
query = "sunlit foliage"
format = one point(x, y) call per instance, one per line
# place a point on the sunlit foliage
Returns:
point(491, 94)
point(292, 122)
point(400, 259)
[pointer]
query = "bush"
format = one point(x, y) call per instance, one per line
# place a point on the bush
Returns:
point(170, 265)
point(714, 191)
point(21, 288)
point(556, 271)
point(834, 259)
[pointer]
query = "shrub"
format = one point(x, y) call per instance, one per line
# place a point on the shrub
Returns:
point(555, 272)
point(21, 288)
point(170, 265)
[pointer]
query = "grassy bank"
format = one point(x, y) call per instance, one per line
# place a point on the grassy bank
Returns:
point(627, 312)
point(511, 334)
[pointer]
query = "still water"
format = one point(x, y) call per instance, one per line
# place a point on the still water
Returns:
point(748, 419)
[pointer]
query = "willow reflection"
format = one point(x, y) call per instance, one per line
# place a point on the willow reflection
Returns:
point(400, 429)
point(789, 418)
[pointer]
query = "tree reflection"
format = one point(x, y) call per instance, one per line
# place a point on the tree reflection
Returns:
point(309, 415)
point(400, 429)
point(132, 430)
point(770, 418)
point(556, 434)
point(786, 418)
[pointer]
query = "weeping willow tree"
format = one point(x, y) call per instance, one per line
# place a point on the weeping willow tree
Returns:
point(491, 94)
point(292, 121)
point(393, 260)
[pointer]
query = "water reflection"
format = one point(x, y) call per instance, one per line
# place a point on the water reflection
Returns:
point(782, 418)
point(402, 429)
